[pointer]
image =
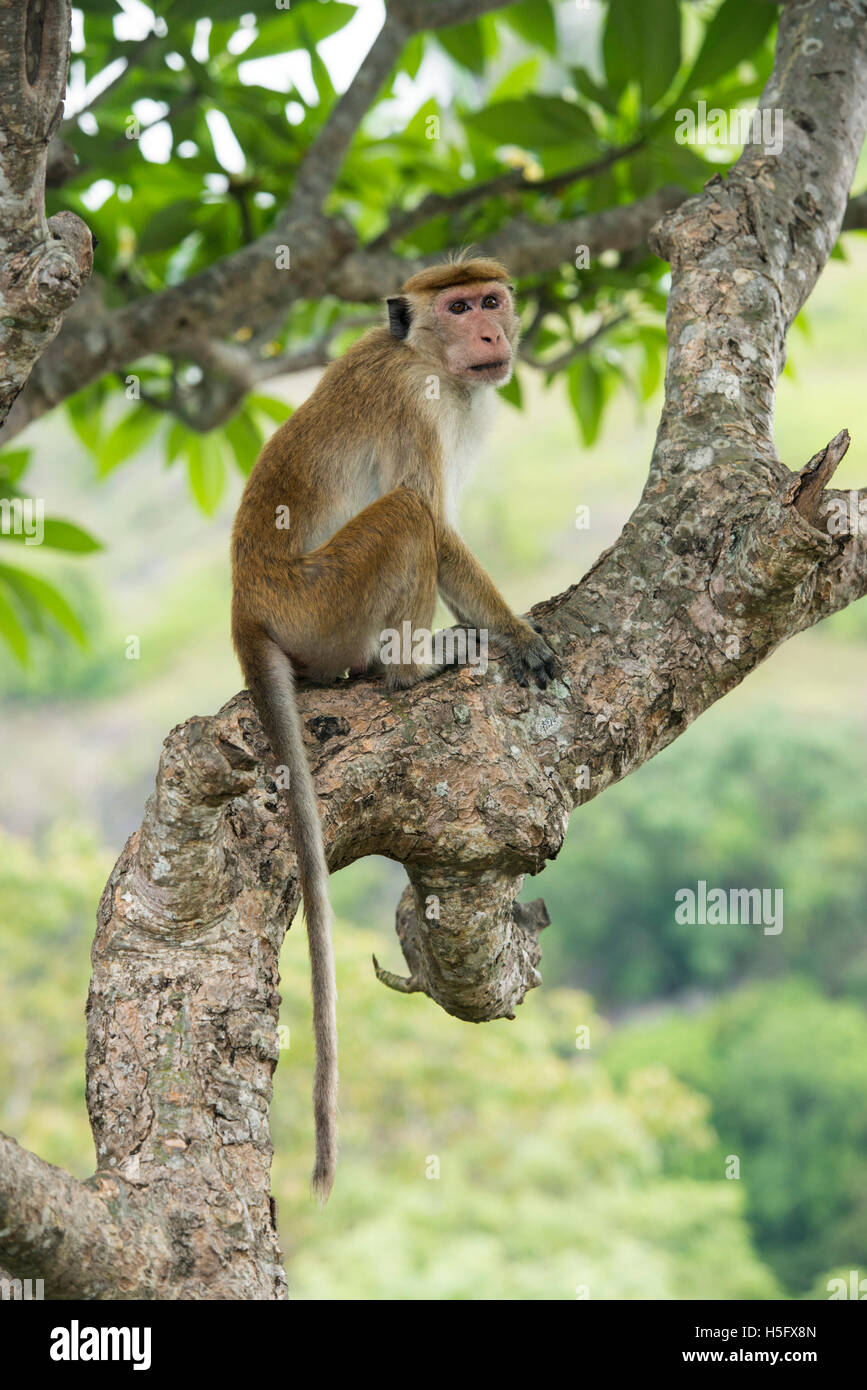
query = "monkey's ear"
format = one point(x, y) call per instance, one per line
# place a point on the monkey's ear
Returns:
point(399, 316)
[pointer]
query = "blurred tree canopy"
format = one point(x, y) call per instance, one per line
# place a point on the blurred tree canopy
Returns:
point(193, 138)
point(794, 821)
point(785, 1070)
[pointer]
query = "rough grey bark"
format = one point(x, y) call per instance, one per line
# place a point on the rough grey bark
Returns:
point(43, 263)
point(468, 780)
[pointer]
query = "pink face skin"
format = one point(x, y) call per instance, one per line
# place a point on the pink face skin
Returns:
point(479, 326)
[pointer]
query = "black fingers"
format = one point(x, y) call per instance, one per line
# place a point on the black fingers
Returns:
point(534, 661)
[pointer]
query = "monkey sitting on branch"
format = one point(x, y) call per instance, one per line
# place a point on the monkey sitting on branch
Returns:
point(369, 471)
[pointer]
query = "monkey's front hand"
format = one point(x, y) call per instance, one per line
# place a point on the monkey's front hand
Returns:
point(528, 654)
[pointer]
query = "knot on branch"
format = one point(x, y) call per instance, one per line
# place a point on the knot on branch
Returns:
point(773, 560)
point(201, 768)
point(469, 945)
point(673, 229)
point(205, 763)
point(726, 213)
point(41, 282)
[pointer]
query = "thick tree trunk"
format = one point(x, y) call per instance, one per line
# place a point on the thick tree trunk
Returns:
point(469, 781)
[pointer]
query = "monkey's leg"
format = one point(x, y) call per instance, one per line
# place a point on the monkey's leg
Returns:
point(473, 596)
point(344, 606)
point(406, 655)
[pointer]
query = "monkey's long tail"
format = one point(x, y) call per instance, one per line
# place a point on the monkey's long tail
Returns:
point(273, 688)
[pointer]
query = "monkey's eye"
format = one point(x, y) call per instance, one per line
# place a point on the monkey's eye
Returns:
point(490, 301)
point(460, 306)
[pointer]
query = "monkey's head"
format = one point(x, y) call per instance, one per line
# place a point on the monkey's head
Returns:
point(462, 317)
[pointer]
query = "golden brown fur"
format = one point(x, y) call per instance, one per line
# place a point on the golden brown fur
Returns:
point(458, 272)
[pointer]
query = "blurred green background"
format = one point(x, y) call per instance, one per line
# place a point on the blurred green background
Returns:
point(680, 1111)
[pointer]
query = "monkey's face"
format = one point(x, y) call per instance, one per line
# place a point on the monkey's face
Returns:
point(478, 328)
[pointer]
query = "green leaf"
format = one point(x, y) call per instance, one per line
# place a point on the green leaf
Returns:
point(520, 80)
point(168, 227)
point(177, 440)
point(465, 44)
point(282, 33)
point(65, 535)
point(512, 393)
point(534, 122)
point(270, 406)
point(321, 77)
point(126, 438)
point(734, 33)
point(594, 91)
point(11, 630)
point(38, 596)
point(246, 440)
point(534, 21)
point(85, 416)
point(587, 394)
point(204, 83)
point(62, 535)
point(179, 11)
point(642, 43)
point(207, 471)
point(654, 344)
point(413, 55)
point(13, 464)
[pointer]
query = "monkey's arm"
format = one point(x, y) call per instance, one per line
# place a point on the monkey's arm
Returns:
point(474, 599)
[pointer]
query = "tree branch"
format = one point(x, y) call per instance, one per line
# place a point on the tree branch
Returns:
point(44, 263)
point(230, 371)
point(565, 359)
point(178, 1087)
point(324, 159)
point(77, 1237)
point(747, 254)
point(806, 491)
point(515, 181)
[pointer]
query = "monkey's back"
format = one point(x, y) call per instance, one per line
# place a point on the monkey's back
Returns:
point(354, 435)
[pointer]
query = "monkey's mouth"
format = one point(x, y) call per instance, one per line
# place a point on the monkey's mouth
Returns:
point(490, 366)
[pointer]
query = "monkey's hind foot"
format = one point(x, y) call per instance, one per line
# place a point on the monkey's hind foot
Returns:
point(529, 656)
point(405, 677)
